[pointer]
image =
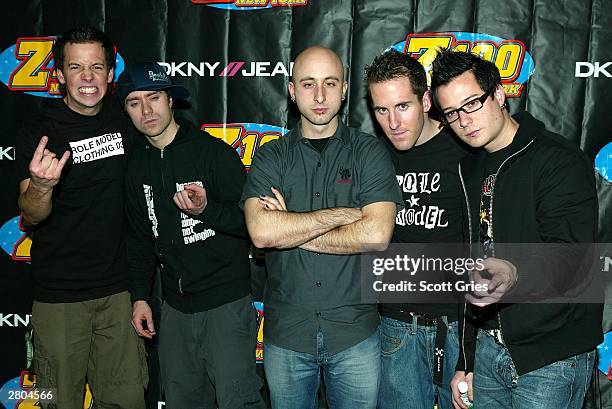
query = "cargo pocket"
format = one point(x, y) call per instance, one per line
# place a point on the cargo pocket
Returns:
point(142, 358)
point(248, 396)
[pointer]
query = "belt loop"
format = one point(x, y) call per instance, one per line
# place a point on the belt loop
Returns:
point(414, 326)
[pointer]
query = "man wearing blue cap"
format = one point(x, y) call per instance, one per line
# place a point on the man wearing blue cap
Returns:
point(183, 188)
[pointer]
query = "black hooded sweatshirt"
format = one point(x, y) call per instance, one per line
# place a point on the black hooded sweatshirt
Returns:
point(204, 260)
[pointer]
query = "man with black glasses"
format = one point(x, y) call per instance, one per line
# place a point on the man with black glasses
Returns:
point(526, 185)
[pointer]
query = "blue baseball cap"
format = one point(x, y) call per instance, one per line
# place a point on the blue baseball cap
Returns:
point(148, 76)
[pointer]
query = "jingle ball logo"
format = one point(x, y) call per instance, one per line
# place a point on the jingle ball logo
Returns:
point(250, 4)
point(28, 66)
point(246, 138)
point(515, 64)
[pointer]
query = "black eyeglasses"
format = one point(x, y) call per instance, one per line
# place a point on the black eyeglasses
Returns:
point(469, 107)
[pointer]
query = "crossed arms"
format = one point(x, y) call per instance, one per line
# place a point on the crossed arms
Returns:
point(339, 230)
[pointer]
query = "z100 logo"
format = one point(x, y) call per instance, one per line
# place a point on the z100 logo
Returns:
point(250, 4)
point(510, 56)
point(28, 66)
point(246, 138)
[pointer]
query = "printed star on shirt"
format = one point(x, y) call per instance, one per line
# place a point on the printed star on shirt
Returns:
point(413, 201)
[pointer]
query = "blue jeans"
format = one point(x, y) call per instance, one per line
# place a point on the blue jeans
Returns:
point(560, 385)
point(407, 366)
point(351, 376)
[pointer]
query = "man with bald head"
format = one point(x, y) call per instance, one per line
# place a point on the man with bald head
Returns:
point(315, 199)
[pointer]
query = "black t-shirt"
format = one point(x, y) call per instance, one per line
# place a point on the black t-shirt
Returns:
point(78, 252)
point(319, 144)
point(429, 180)
point(494, 161)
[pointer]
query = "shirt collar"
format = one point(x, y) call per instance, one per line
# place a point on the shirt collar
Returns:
point(341, 134)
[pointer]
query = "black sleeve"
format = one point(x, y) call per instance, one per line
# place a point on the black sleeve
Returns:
point(222, 212)
point(140, 240)
point(567, 214)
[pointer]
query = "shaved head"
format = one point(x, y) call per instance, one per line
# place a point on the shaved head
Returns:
point(314, 54)
point(318, 88)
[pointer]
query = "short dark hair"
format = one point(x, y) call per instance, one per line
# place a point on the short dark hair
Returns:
point(82, 35)
point(448, 65)
point(393, 64)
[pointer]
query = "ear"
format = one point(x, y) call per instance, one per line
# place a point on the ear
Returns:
point(426, 101)
point(291, 88)
point(344, 88)
point(60, 76)
point(170, 101)
point(111, 75)
point(500, 95)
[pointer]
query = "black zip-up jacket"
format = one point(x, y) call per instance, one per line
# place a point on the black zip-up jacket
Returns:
point(204, 259)
point(544, 192)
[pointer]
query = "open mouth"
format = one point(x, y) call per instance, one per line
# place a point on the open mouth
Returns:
point(320, 111)
point(88, 90)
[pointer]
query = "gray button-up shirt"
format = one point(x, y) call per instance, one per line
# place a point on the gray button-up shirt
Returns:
point(308, 291)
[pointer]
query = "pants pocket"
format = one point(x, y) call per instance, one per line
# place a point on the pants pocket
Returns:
point(391, 338)
point(247, 395)
point(142, 359)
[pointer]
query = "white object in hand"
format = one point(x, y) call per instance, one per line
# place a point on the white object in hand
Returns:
point(463, 390)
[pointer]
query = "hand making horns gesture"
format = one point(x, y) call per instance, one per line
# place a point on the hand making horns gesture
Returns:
point(45, 168)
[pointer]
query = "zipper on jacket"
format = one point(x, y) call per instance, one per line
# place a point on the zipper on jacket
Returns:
point(467, 202)
point(163, 176)
point(499, 320)
point(163, 180)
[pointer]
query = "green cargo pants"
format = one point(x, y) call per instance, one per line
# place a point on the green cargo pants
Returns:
point(89, 341)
